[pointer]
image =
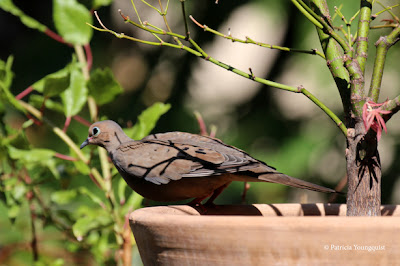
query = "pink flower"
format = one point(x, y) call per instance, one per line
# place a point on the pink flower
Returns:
point(372, 117)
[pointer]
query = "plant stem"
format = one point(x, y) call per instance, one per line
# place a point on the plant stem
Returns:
point(308, 14)
point(79, 50)
point(363, 32)
point(324, 108)
point(382, 47)
point(24, 93)
point(335, 60)
point(164, 15)
point(325, 26)
point(185, 19)
point(250, 41)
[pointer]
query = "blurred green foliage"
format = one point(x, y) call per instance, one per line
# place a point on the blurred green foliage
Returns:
point(53, 213)
point(73, 218)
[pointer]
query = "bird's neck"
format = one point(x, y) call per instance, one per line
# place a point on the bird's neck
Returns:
point(115, 139)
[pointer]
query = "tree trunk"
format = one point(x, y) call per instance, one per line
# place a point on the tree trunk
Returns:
point(363, 172)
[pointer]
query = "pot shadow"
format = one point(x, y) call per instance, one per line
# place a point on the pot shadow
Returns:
point(269, 210)
point(388, 210)
point(262, 210)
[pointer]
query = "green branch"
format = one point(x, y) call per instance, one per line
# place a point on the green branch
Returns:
point(384, 10)
point(307, 12)
point(335, 60)
point(300, 89)
point(362, 33)
point(392, 105)
point(250, 41)
point(382, 47)
point(310, 15)
point(389, 10)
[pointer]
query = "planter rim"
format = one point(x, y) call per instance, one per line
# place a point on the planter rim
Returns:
point(256, 211)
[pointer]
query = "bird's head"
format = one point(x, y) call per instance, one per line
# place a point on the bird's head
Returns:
point(106, 134)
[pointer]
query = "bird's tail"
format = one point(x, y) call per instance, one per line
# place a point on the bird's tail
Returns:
point(293, 182)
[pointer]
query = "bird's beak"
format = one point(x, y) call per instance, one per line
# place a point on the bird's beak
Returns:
point(85, 143)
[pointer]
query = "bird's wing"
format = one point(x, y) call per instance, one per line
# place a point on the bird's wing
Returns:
point(210, 156)
point(160, 160)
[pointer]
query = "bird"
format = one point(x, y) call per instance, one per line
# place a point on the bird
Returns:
point(175, 166)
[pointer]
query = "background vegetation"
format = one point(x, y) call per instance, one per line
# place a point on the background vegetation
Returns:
point(52, 201)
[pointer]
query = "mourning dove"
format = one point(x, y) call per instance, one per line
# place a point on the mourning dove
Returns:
point(177, 166)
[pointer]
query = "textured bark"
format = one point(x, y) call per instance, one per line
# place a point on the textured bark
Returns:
point(364, 173)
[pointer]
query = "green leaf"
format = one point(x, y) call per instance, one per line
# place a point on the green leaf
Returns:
point(75, 96)
point(134, 202)
point(35, 157)
point(147, 120)
point(90, 219)
point(6, 76)
point(8, 5)
point(54, 83)
point(70, 18)
point(103, 86)
point(121, 190)
point(64, 196)
point(99, 3)
point(82, 167)
point(92, 196)
point(13, 211)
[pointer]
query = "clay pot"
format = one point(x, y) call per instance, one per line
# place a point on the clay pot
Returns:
point(266, 234)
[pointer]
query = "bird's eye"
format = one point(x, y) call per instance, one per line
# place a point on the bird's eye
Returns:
point(95, 131)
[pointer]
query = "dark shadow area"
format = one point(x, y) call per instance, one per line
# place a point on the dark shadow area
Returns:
point(266, 210)
point(388, 210)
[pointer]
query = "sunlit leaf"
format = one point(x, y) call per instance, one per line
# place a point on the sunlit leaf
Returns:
point(92, 196)
point(82, 167)
point(98, 3)
point(70, 18)
point(147, 121)
point(92, 219)
point(75, 96)
point(121, 190)
point(54, 83)
point(13, 211)
point(103, 86)
point(35, 157)
point(64, 196)
point(6, 76)
point(134, 202)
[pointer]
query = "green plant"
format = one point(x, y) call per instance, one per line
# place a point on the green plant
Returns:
point(46, 198)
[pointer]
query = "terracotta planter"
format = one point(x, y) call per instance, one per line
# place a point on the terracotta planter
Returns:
point(266, 234)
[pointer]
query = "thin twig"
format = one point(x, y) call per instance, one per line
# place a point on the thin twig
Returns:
point(388, 9)
point(164, 15)
point(185, 19)
point(311, 15)
point(250, 41)
point(24, 93)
